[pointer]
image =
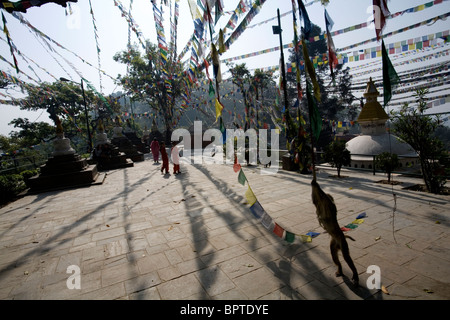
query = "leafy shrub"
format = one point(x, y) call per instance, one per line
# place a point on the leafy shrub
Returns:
point(387, 162)
point(337, 155)
point(10, 186)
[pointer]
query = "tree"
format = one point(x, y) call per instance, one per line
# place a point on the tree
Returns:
point(260, 81)
point(418, 130)
point(63, 100)
point(337, 155)
point(387, 162)
point(147, 80)
point(31, 133)
point(336, 95)
point(240, 76)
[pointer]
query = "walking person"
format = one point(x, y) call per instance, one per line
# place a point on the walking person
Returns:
point(175, 158)
point(165, 158)
point(154, 146)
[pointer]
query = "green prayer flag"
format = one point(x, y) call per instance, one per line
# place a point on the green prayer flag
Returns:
point(289, 237)
point(390, 76)
point(310, 70)
point(242, 178)
point(212, 92)
point(316, 120)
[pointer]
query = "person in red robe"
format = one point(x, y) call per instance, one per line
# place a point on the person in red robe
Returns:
point(165, 158)
point(154, 146)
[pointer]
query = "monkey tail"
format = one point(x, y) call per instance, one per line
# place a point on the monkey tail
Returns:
point(350, 238)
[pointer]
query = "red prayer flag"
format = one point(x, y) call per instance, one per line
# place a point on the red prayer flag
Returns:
point(278, 230)
point(380, 12)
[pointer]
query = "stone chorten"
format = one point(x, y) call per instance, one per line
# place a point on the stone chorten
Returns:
point(108, 155)
point(65, 168)
point(374, 138)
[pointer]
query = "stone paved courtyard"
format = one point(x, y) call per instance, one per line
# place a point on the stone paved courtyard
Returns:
point(143, 235)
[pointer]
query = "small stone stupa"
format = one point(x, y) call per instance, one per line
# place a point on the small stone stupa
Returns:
point(375, 138)
point(106, 154)
point(124, 144)
point(65, 168)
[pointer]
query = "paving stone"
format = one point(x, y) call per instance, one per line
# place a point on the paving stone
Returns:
point(257, 283)
point(140, 236)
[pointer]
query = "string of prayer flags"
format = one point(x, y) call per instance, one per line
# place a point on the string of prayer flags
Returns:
point(98, 47)
point(266, 220)
point(296, 50)
point(254, 10)
point(130, 21)
point(6, 32)
point(355, 223)
point(23, 5)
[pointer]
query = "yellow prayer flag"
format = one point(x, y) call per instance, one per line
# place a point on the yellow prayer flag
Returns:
point(221, 42)
point(250, 196)
point(305, 238)
point(311, 71)
point(219, 108)
point(358, 221)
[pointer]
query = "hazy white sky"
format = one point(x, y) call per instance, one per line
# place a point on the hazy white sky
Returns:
point(76, 33)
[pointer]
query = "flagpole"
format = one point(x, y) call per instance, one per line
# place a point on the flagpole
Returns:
point(278, 30)
point(313, 162)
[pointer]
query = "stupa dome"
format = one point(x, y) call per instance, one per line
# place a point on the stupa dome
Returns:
point(374, 138)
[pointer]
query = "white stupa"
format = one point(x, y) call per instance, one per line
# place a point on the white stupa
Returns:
point(374, 138)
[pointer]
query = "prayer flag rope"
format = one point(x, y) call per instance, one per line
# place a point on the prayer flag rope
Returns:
point(98, 47)
point(270, 224)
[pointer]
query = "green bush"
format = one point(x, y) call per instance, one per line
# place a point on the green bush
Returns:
point(387, 162)
point(337, 155)
point(27, 174)
point(10, 186)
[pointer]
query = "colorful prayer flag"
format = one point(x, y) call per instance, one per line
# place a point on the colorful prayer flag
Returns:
point(250, 196)
point(315, 118)
point(307, 26)
point(305, 238)
point(278, 230)
point(241, 177)
point(332, 58)
point(380, 12)
point(219, 108)
point(257, 210)
point(310, 70)
point(390, 76)
point(289, 236)
point(267, 222)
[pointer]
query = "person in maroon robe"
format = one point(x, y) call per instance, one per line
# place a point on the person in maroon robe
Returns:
point(154, 146)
